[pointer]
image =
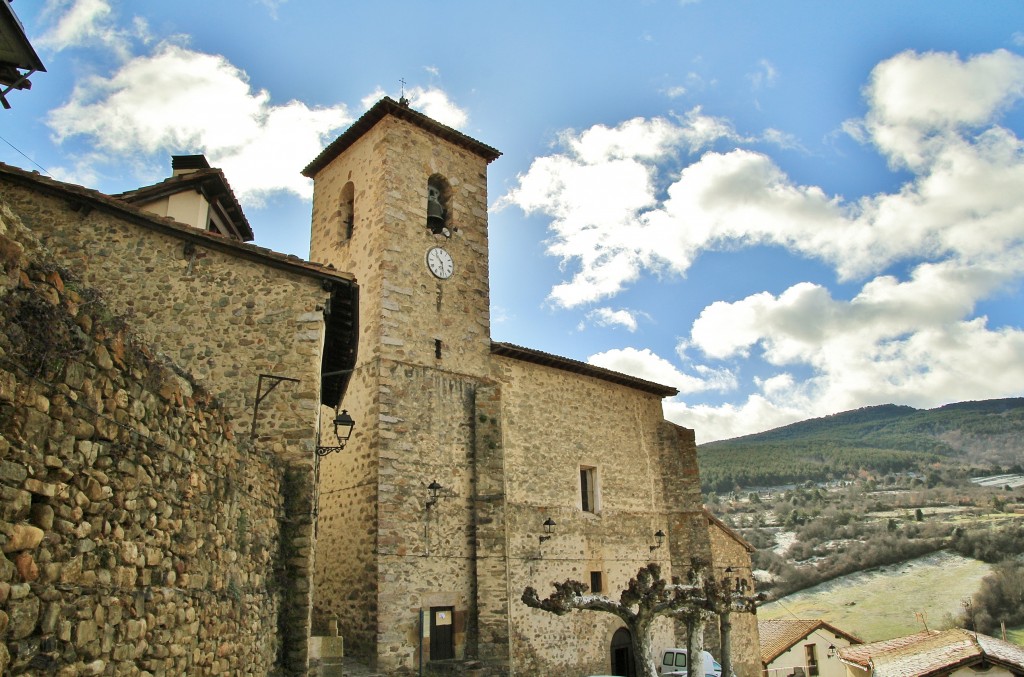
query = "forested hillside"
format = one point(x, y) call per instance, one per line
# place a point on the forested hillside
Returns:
point(878, 440)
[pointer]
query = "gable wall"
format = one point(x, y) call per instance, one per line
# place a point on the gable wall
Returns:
point(553, 422)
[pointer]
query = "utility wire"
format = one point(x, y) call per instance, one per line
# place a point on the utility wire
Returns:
point(18, 150)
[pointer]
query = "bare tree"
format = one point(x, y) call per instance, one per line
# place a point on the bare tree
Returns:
point(648, 596)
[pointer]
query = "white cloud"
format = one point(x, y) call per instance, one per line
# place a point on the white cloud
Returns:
point(89, 23)
point(963, 200)
point(606, 317)
point(177, 100)
point(675, 91)
point(956, 226)
point(434, 103)
point(596, 191)
point(765, 76)
point(910, 342)
point(921, 103)
point(646, 365)
point(711, 423)
point(781, 139)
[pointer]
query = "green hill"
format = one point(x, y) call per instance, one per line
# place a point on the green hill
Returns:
point(881, 439)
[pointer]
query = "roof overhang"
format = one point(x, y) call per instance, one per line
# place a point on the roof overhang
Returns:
point(576, 367)
point(18, 60)
point(402, 111)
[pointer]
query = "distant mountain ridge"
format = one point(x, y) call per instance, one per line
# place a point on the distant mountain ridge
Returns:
point(883, 438)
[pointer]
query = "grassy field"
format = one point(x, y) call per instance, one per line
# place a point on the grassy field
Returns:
point(881, 603)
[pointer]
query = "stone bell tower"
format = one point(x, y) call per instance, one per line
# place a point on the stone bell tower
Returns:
point(400, 201)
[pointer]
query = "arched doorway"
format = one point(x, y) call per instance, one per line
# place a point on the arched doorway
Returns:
point(622, 654)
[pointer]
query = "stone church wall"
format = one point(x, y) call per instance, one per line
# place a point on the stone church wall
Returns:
point(377, 578)
point(138, 531)
point(554, 422)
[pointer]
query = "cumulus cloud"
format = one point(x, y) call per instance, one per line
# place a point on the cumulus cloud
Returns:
point(596, 190)
point(89, 23)
point(434, 103)
point(606, 317)
point(620, 210)
point(646, 365)
point(178, 100)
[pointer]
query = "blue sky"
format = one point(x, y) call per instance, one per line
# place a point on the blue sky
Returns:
point(783, 209)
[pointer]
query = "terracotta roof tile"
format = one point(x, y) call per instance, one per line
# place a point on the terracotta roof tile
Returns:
point(933, 652)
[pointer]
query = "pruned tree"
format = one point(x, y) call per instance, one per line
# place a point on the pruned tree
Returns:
point(646, 597)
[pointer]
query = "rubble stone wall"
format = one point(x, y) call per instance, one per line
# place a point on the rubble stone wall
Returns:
point(139, 534)
point(745, 641)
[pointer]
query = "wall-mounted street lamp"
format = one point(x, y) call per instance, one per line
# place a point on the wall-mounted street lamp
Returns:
point(831, 650)
point(659, 537)
point(549, 530)
point(435, 490)
point(343, 425)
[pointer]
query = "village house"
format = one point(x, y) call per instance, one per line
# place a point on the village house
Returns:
point(931, 653)
point(802, 648)
point(383, 468)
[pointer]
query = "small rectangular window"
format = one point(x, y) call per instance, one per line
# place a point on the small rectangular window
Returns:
point(595, 582)
point(588, 488)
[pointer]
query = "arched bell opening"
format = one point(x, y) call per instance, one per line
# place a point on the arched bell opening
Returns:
point(439, 206)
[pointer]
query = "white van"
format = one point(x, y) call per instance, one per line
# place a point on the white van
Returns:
point(673, 662)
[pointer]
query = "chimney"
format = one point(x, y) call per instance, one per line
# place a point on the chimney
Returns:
point(186, 164)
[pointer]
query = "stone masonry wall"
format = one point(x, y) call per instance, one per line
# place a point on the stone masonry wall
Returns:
point(224, 313)
point(554, 422)
point(744, 639)
point(417, 408)
point(140, 534)
point(224, 317)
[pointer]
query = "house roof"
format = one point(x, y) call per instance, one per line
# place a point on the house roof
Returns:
point(933, 652)
point(85, 199)
point(388, 106)
point(208, 181)
point(566, 364)
point(729, 531)
point(780, 635)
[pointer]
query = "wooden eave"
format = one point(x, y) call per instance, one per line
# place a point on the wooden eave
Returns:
point(388, 106)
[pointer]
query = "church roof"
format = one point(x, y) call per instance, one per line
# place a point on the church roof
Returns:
point(388, 106)
point(566, 364)
point(85, 200)
point(208, 181)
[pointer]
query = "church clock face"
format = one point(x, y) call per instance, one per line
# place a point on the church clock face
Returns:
point(440, 263)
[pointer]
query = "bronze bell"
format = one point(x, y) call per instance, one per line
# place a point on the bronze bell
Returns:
point(435, 212)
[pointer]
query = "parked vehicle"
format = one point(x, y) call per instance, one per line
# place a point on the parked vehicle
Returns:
point(673, 662)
